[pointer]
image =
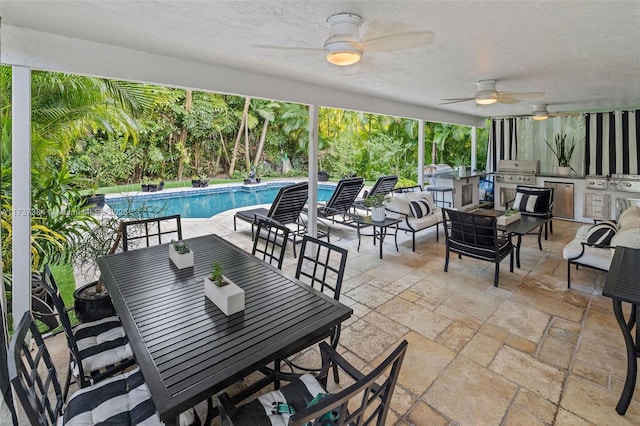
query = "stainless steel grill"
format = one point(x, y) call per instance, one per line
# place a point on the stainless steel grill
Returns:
point(596, 182)
point(625, 183)
point(517, 172)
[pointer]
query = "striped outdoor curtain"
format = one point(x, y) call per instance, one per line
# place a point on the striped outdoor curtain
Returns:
point(611, 143)
point(503, 142)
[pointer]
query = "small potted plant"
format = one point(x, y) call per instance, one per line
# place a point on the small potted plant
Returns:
point(225, 294)
point(195, 181)
point(204, 180)
point(376, 204)
point(563, 150)
point(181, 255)
point(509, 217)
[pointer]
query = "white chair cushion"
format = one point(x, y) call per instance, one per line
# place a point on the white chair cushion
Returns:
point(627, 238)
point(101, 344)
point(122, 400)
point(597, 257)
point(629, 214)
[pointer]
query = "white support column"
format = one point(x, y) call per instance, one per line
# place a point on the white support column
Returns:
point(21, 175)
point(421, 153)
point(474, 147)
point(313, 171)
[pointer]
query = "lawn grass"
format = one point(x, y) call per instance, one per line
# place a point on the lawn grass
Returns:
point(185, 183)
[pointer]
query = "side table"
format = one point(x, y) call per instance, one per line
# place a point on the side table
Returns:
point(623, 285)
point(364, 221)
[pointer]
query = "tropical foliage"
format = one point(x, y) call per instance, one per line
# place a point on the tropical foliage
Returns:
point(92, 132)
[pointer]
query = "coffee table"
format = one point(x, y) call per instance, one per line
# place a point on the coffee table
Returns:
point(524, 226)
point(384, 225)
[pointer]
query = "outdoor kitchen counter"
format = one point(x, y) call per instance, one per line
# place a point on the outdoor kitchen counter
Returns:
point(455, 175)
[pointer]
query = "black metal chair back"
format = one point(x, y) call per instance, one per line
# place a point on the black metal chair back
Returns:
point(321, 265)
point(383, 185)
point(288, 204)
point(343, 197)
point(476, 236)
point(270, 242)
point(50, 286)
point(148, 232)
point(34, 376)
point(5, 384)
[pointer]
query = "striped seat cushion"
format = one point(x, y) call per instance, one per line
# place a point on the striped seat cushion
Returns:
point(601, 233)
point(262, 410)
point(101, 344)
point(119, 400)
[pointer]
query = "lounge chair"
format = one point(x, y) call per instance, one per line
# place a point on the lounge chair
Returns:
point(285, 210)
point(383, 185)
point(338, 206)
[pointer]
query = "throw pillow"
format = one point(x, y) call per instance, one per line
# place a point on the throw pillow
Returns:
point(526, 203)
point(420, 208)
point(601, 234)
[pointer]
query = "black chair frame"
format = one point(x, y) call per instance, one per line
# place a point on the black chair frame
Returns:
point(148, 237)
point(270, 242)
point(373, 398)
point(476, 236)
point(548, 226)
point(86, 378)
point(338, 207)
point(383, 186)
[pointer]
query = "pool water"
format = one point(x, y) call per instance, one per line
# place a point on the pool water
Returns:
point(204, 203)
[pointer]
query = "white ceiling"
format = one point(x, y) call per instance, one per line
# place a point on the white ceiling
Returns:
point(584, 55)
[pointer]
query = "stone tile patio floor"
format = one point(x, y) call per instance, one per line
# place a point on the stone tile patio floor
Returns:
point(530, 352)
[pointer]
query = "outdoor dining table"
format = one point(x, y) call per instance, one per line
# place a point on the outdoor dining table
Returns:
point(186, 348)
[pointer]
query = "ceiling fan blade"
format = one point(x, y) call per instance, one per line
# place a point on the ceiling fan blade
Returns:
point(303, 49)
point(507, 100)
point(564, 114)
point(453, 101)
point(521, 94)
point(399, 41)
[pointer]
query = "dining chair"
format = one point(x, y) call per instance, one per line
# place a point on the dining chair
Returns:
point(306, 400)
point(98, 349)
point(148, 232)
point(476, 236)
point(123, 399)
point(321, 265)
point(270, 242)
point(534, 201)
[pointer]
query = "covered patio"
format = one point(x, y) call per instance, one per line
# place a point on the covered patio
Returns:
point(528, 352)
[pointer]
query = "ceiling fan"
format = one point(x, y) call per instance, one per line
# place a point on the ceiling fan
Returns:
point(345, 47)
point(487, 95)
point(540, 112)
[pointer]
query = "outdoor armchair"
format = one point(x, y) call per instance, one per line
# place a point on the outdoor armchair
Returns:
point(476, 236)
point(306, 400)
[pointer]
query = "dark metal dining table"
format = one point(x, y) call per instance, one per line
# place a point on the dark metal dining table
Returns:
point(186, 348)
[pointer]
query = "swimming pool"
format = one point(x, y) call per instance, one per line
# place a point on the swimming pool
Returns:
point(205, 202)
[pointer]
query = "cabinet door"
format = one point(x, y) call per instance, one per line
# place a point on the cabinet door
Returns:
point(597, 206)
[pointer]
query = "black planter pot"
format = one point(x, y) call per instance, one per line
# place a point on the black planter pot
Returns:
point(153, 187)
point(195, 183)
point(94, 202)
point(145, 187)
point(323, 176)
point(161, 185)
point(204, 183)
point(90, 306)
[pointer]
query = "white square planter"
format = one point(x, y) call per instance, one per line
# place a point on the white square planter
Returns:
point(504, 220)
point(229, 298)
point(180, 260)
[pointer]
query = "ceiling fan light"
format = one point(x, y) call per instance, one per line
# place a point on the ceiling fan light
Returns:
point(540, 117)
point(486, 101)
point(540, 112)
point(342, 53)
